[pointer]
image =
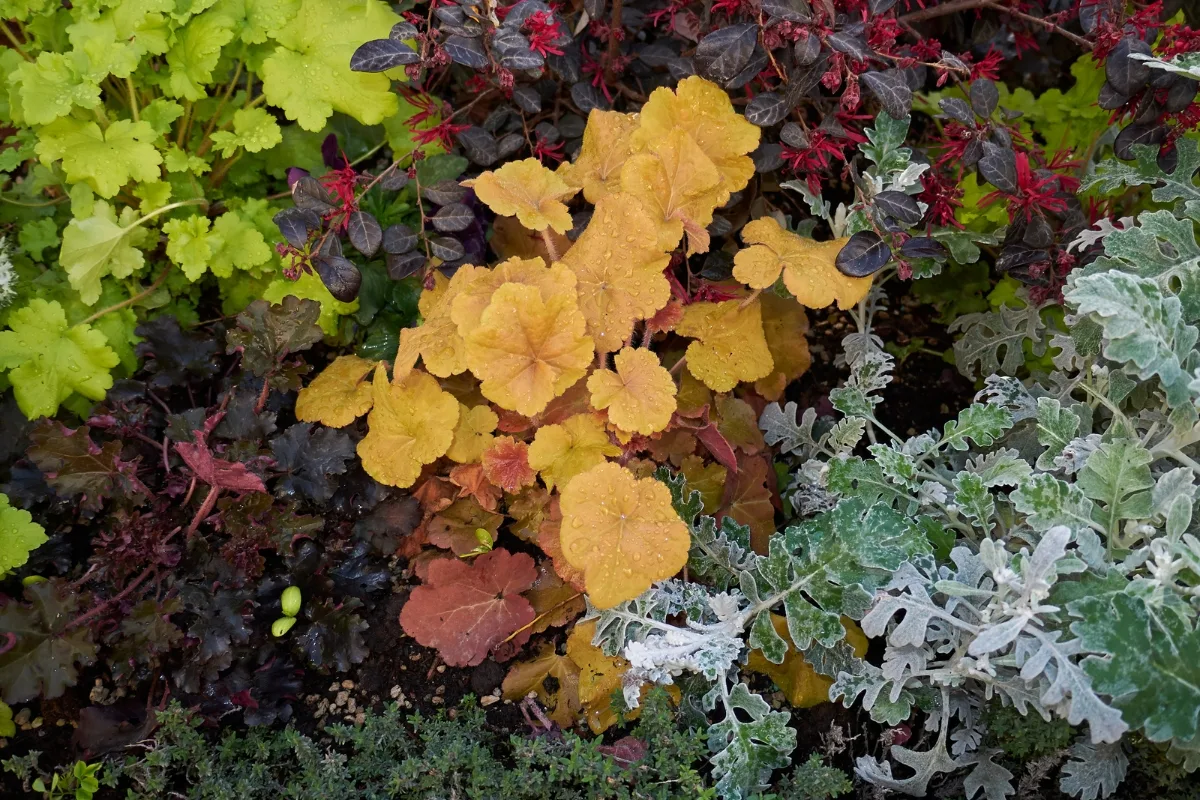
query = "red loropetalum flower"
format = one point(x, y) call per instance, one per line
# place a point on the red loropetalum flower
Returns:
point(1037, 192)
point(543, 150)
point(341, 183)
point(816, 158)
point(543, 31)
point(943, 196)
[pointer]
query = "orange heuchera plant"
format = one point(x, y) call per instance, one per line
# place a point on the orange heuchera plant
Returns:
point(538, 394)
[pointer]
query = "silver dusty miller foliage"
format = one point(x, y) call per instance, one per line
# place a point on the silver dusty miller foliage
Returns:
point(1040, 551)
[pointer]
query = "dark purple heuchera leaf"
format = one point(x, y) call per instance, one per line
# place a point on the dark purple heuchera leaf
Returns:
point(77, 467)
point(331, 154)
point(266, 334)
point(144, 634)
point(865, 254)
point(333, 637)
point(308, 460)
point(46, 657)
point(15, 427)
point(359, 575)
point(220, 623)
point(172, 356)
point(243, 423)
point(103, 729)
point(389, 523)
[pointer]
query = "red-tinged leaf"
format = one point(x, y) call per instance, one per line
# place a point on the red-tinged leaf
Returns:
point(216, 472)
point(455, 528)
point(748, 499)
point(473, 482)
point(720, 448)
point(75, 466)
point(466, 611)
point(626, 750)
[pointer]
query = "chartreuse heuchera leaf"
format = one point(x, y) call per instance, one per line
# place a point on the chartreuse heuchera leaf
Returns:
point(19, 535)
point(47, 360)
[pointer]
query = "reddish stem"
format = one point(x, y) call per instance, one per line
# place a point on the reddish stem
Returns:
point(210, 500)
point(136, 582)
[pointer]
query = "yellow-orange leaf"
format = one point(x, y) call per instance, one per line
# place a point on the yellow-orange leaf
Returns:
point(560, 452)
point(511, 239)
point(473, 434)
point(599, 675)
point(808, 267)
point(337, 396)
point(730, 346)
point(412, 424)
point(738, 423)
point(785, 326)
point(606, 146)
point(620, 269)
point(703, 110)
point(437, 339)
point(528, 191)
point(622, 532)
point(639, 396)
point(803, 686)
point(679, 185)
point(556, 602)
point(529, 677)
point(480, 283)
point(526, 351)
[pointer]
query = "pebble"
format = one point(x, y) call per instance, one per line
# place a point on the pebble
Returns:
point(396, 692)
point(441, 668)
point(37, 723)
point(22, 718)
point(488, 700)
point(437, 701)
point(347, 684)
point(341, 698)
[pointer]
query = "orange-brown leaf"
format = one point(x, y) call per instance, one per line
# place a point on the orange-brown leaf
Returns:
point(454, 529)
point(785, 326)
point(529, 677)
point(467, 610)
point(506, 464)
point(803, 686)
point(472, 482)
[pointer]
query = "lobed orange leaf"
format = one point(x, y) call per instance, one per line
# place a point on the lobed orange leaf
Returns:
point(620, 269)
point(454, 528)
point(639, 396)
point(479, 284)
point(473, 483)
point(679, 185)
point(412, 424)
point(599, 676)
point(529, 191)
point(785, 326)
point(339, 395)
point(506, 464)
point(730, 345)
point(808, 267)
point(556, 602)
point(607, 143)
point(560, 452)
point(466, 611)
point(472, 434)
point(526, 349)
point(511, 239)
point(530, 677)
point(622, 532)
point(703, 111)
point(748, 500)
point(803, 686)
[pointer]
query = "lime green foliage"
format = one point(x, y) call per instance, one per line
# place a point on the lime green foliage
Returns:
point(47, 360)
point(80, 783)
point(973, 214)
point(135, 118)
point(1065, 121)
point(7, 726)
point(19, 535)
